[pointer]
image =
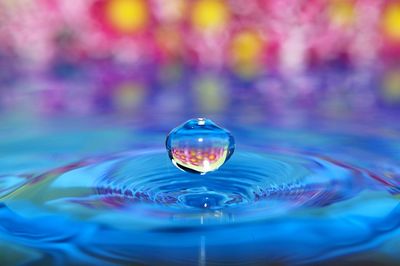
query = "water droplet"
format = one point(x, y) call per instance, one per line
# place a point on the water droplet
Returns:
point(199, 146)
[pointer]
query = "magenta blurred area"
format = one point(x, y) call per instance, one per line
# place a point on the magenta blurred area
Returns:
point(135, 57)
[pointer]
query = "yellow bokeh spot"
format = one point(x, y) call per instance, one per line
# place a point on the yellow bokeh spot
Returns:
point(210, 93)
point(210, 14)
point(391, 21)
point(391, 86)
point(129, 95)
point(246, 47)
point(127, 16)
point(342, 12)
point(246, 53)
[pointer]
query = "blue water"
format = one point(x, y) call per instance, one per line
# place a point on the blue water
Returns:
point(106, 193)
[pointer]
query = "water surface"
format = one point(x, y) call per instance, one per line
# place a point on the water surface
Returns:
point(79, 192)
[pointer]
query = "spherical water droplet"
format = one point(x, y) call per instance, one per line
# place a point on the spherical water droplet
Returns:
point(199, 146)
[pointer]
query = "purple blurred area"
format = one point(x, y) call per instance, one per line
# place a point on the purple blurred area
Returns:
point(199, 57)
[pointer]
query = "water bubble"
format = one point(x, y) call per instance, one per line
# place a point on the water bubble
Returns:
point(199, 146)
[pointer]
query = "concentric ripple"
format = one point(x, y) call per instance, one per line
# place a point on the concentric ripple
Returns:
point(288, 179)
point(251, 186)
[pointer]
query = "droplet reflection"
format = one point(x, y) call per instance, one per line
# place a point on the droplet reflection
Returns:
point(199, 146)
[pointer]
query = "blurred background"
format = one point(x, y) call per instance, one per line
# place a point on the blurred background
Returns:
point(89, 89)
point(199, 57)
